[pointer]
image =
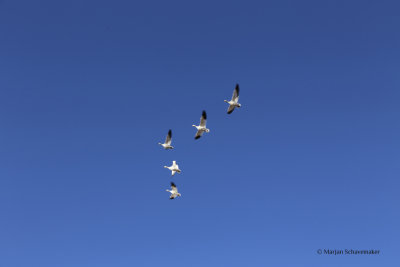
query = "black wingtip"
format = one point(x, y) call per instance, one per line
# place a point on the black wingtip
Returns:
point(172, 184)
point(229, 112)
point(237, 88)
point(170, 132)
point(196, 137)
point(204, 114)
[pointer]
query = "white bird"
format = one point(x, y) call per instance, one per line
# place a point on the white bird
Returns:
point(168, 140)
point(174, 168)
point(174, 191)
point(233, 103)
point(202, 127)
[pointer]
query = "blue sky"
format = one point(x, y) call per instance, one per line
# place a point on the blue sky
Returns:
point(310, 161)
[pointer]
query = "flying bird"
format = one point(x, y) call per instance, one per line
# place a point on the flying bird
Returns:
point(233, 103)
point(202, 127)
point(174, 168)
point(168, 140)
point(173, 191)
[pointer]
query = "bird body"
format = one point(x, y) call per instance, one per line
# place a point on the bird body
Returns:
point(202, 127)
point(174, 168)
point(173, 191)
point(234, 102)
point(168, 140)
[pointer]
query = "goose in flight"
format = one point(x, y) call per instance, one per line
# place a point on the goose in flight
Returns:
point(233, 103)
point(173, 191)
point(202, 127)
point(174, 168)
point(168, 140)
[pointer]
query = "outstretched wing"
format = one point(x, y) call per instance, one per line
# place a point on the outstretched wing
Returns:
point(203, 119)
point(230, 109)
point(168, 138)
point(174, 188)
point(235, 95)
point(198, 134)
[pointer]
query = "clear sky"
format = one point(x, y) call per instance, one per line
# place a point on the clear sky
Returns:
point(310, 161)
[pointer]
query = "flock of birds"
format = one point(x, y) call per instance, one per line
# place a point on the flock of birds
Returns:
point(201, 128)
